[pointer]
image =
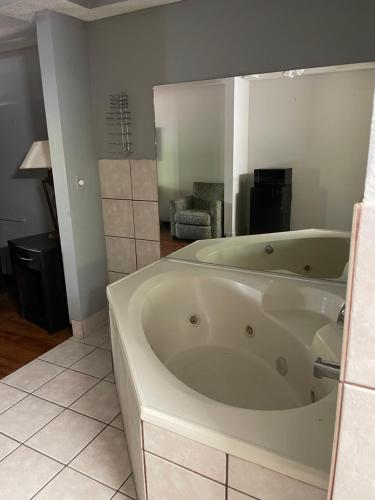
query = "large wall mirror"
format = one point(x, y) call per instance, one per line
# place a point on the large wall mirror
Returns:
point(277, 159)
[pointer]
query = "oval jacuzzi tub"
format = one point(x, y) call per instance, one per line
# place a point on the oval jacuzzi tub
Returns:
point(218, 341)
point(312, 253)
point(225, 358)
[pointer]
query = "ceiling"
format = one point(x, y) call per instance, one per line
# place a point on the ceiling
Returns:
point(17, 26)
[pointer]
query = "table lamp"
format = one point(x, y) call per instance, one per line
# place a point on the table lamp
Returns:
point(39, 157)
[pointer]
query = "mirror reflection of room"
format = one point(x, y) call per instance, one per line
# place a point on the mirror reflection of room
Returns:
point(265, 154)
point(190, 126)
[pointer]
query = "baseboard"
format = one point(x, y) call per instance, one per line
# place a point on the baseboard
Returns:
point(86, 327)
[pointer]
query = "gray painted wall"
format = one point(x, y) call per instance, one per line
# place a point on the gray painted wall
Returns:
point(62, 45)
point(202, 39)
point(22, 120)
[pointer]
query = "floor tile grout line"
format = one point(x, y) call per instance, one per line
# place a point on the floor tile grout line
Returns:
point(91, 477)
point(123, 484)
point(74, 362)
point(18, 401)
point(16, 448)
point(68, 464)
point(64, 408)
point(50, 380)
point(49, 481)
point(57, 404)
point(127, 479)
point(110, 423)
point(68, 406)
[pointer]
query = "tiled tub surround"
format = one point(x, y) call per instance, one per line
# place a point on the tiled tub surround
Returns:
point(61, 433)
point(131, 215)
point(183, 444)
point(353, 467)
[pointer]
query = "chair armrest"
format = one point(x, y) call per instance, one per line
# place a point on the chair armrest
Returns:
point(176, 206)
point(217, 218)
point(182, 204)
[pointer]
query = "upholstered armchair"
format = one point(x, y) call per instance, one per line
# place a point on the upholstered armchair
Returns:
point(199, 216)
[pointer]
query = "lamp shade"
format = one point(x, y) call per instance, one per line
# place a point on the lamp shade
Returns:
point(38, 156)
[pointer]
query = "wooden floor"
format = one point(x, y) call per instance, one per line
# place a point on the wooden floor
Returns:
point(167, 243)
point(21, 341)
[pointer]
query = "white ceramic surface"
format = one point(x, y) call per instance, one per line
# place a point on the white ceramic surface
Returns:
point(315, 254)
point(292, 318)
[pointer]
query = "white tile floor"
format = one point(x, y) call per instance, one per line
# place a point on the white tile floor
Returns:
point(61, 432)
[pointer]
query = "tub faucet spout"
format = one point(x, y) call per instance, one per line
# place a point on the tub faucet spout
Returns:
point(341, 317)
point(328, 369)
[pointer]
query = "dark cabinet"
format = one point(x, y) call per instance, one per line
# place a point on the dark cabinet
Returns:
point(39, 273)
point(271, 200)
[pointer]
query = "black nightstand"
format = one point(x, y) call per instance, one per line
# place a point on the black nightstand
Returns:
point(39, 273)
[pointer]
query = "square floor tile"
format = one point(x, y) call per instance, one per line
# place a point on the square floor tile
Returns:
point(97, 338)
point(66, 436)
point(129, 488)
point(106, 459)
point(67, 353)
point(110, 378)
point(71, 485)
point(24, 472)
point(27, 417)
point(33, 375)
point(117, 422)
point(107, 345)
point(9, 396)
point(66, 387)
point(100, 402)
point(98, 364)
point(7, 445)
point(120, 496)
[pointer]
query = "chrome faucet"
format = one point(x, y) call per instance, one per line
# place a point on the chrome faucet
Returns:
point(341, 317)
point(328, 369)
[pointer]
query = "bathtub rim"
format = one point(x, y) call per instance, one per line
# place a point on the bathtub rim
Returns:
point(270, 459)
point(190, 252)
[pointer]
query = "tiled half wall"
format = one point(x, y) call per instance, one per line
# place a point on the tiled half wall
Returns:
point(129, 193)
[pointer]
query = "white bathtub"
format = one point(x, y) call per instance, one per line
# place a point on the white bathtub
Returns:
point(225, 358)
point(312, 253)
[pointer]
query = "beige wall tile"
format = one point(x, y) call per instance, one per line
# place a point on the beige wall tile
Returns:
point(115, 179)
point(360, 363)
point(353, 250)
point(180, 450)
point(335, 438)
point(147, 252)
point(113, 276)
point(146, 220)
point(120, 254)
point(170, 482)
point(266, 484)
point(144, 180)
point(118, 218)
point(130, 411)
point(355, 466)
